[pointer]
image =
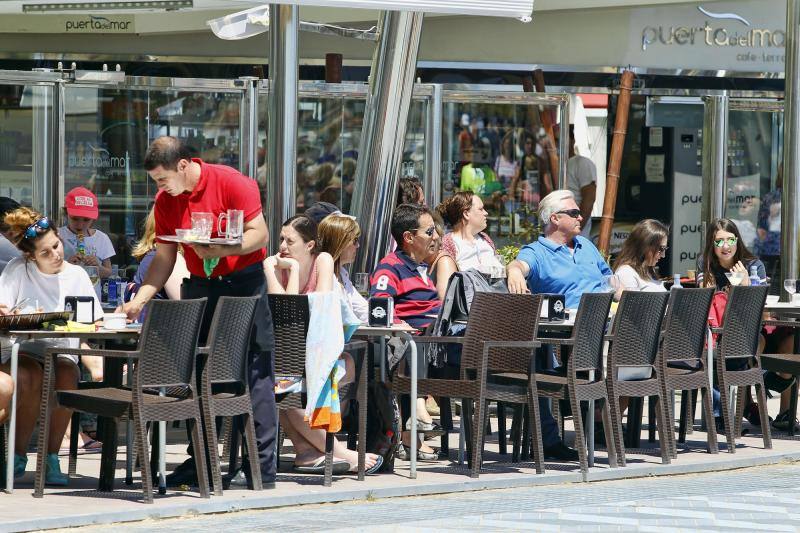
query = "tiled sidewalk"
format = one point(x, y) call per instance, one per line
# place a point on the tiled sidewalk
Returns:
point(81, 505)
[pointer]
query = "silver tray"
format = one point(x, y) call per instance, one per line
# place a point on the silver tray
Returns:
point(31, 320)
point(217, 240)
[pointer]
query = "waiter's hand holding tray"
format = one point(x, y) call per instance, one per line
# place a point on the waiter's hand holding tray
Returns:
point(190, 239)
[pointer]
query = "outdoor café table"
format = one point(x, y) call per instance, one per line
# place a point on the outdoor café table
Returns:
point(110, 377)
point(404, 332)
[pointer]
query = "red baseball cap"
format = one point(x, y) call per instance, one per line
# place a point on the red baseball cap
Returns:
point(81, 202)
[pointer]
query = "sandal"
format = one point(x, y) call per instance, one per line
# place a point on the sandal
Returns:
point(318, 467)
point(404, 453)
point(752, 415)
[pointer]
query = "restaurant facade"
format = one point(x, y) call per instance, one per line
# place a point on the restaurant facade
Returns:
point(705, 71)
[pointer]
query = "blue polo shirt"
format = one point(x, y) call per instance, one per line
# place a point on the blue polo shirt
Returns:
point(556, 270)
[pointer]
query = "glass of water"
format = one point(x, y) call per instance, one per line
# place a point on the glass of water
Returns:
point(361, 283)
point(235, 223)
point(791, 287)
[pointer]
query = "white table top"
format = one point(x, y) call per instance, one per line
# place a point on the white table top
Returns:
point(377, 331)
point(99, 333)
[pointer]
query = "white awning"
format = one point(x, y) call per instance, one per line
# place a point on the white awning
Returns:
point(520, 9)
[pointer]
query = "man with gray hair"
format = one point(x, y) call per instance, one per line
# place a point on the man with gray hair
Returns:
point(561, 261)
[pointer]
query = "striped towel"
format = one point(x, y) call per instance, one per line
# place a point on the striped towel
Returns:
point(324, 345)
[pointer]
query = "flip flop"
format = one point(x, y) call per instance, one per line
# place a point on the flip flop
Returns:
point(91, 446)
point(318, 467)
point(374, 468)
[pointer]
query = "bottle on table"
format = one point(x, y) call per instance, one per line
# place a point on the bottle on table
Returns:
point(676, 282)
point(755, 281)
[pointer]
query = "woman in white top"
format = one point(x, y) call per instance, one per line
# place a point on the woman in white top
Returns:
point(635, 265)
point(338, 235)
point(466, 246)
point(42, 278)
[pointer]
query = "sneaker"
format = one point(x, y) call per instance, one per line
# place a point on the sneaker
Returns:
point(52, 469)
point(782, 423)
point(560, 452)
point(20, 462)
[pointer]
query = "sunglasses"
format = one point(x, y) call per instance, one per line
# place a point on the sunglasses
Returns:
point(429, 232)
point(41, 225)
point(730, 241)
point(663, 249)
point(574, 213)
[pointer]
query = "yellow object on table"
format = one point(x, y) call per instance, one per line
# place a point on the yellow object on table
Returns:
point(75, 327)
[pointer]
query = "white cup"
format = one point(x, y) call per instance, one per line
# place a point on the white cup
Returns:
point(114, 320)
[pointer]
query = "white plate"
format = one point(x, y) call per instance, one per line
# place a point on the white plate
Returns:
point(217, 240)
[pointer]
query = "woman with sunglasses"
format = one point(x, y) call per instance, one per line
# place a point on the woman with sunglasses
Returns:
point(635, 265)
point(725, 252)
point(39, 280)
point(338, 236)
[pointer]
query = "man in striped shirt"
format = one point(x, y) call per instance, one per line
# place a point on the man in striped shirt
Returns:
point(403, 274)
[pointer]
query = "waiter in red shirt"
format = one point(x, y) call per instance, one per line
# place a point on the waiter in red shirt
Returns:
point(188, 185)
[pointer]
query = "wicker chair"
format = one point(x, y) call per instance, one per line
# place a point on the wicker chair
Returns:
point(225, 390)
point(165, 358)
point(738, 341)
point(634, 344)
point(681, 362)
point(290, 317)
point(586, 354)
point(490, 345)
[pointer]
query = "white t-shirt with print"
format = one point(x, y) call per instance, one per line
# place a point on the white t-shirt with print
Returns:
point(631, 280)
point(22, 279)
point(98, 245)
point(581, 171)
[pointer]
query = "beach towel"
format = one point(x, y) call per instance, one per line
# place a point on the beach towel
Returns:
point(324, 345)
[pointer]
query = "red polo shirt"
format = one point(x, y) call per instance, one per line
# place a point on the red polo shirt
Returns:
point(220, 188)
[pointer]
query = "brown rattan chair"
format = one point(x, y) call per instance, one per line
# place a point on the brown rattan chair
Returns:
point(737, 361)
point(225, 390)
point(165, 358)
point(499, 339)
point(634, 345)
point(585, 355)
point(681, 362)
point(290, 317)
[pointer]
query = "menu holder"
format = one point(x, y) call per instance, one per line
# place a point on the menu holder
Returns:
point(553, 307)
point(81, 308)
point(381, 311)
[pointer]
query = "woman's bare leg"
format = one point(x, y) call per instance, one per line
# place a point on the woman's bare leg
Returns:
point(309, 444)
point(6, 391)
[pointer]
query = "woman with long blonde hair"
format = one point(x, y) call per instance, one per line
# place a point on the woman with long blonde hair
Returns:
point(338, 235)
point(145, 251)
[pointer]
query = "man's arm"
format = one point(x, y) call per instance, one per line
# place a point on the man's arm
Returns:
point(254, 237)
point(517, 273)
point(588, 195)
point(157, 275)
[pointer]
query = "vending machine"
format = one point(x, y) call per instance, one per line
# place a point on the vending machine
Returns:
point(672, 168)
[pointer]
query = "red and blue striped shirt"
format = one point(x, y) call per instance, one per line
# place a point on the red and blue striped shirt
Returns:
point(406, 281)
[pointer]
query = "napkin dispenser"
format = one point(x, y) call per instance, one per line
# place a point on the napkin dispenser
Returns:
point(81, 307)
point(381, 311)
point(553, 307)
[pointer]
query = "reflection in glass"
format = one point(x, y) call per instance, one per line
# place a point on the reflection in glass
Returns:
point(754, 183)
point(497, 151)
point(107, 132)
point(329, 134)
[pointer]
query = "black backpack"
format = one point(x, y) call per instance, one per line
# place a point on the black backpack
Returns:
point(383, 422)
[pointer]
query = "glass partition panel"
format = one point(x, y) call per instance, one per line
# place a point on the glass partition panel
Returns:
point(328, 138)
point(497, 151)
point(25, 138)
point(754, 182)
point(107, 131)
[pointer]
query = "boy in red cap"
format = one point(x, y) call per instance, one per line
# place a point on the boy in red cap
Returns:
point(84, 245)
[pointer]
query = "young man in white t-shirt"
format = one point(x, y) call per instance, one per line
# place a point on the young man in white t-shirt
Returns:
point(84, 245)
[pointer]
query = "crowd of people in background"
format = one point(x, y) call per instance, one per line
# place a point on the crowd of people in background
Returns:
point(41, 263)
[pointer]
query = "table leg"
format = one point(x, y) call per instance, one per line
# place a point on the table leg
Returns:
point(12, 422)
point(793, 403)
point(162, 452)
point(382, 359)
point(129, 433)
point(413, 393)
point(44, 423)
point(590, 426)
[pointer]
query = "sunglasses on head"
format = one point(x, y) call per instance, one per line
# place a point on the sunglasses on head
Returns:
point(574, 213)
point(730, 241)
point(41, 225)
point(428, 232)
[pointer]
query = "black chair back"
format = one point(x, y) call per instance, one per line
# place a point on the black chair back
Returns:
point(685, 324)
point(229, 338)
point(637, 328)
point(590, 328)
point(742, 322)
point(290, 317)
